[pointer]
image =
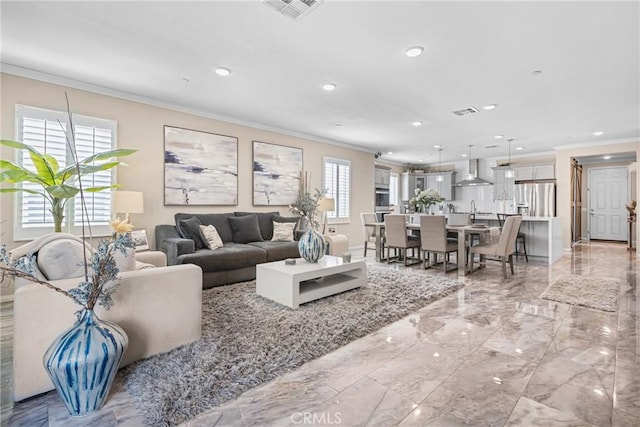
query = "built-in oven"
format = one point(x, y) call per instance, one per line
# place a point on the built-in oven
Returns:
point(382, 197)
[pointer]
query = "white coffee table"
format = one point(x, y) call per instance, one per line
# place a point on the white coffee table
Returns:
point(292, 285)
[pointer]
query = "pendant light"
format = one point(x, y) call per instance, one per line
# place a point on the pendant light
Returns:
point(509, 173)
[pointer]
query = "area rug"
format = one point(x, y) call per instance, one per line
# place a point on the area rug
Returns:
point(248, 340)
point(600, 293)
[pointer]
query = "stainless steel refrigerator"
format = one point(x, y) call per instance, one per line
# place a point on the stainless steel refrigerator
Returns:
point(536, 198)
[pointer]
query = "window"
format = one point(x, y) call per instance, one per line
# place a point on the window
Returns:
point(393, 191)
point(45, 131)
point(337, 180)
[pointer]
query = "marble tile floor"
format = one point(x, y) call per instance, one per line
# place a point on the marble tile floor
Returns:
point(491, 354)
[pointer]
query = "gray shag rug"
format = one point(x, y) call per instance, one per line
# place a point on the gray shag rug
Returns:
point(248, 340)
point(600, 293)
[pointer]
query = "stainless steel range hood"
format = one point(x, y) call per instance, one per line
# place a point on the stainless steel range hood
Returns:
point(472, 178)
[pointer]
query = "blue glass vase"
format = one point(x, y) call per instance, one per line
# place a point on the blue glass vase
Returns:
point(84, 360)
point(312, 246)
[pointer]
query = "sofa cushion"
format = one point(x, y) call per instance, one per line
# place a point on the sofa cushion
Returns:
point(62, 259)
point(277, 251)
point(218, 220)
point(231, 256)
point(265, 222)
point(211, 237)
point(245, 229)
point(189, 228)
point(283, 231)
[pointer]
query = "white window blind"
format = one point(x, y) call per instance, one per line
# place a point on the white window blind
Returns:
point(337, 181)
point(45, 131)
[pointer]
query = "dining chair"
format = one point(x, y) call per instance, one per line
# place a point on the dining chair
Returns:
point(503, 249)
point(433, 237)
point(459, 219)
point(520, 238)
point(398, 238)
point(369, 231)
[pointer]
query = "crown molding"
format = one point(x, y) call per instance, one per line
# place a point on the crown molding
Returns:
point(596, 143)
point(129, 96)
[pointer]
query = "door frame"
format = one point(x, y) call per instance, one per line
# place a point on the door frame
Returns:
point(626, 171)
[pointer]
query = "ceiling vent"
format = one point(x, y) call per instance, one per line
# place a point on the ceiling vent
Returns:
point(294, 9)
point(465, 111)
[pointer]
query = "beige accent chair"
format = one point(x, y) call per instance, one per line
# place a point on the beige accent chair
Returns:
point(369, 232)
point(159, 308)
point(433, 236)
point(398, 238)
point(502, 249)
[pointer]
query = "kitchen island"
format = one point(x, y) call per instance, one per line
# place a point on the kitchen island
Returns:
point(543, 235)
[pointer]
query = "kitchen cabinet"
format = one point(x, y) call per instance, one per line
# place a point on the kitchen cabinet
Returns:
point(411, 181)
point(535, 172)
point(407, 186)
point(445, 188)
point(502, 185)
point(382, 175)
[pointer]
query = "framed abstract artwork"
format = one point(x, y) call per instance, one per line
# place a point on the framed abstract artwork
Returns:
point(276, 174)
point(200, 168)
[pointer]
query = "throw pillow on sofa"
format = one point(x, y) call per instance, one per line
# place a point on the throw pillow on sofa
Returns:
point(190, 229)
point(283, 231)
point(211, 237)
point(245, 229)
point(62, 259)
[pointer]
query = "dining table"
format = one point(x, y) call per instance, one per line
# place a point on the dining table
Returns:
point(464, 234)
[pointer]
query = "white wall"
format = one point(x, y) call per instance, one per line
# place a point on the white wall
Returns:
point(140, 126)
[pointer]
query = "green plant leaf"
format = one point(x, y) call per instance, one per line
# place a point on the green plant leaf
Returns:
point(97, 189)
point(19, 146)
point(53, 163)
point(62, 191)
point(121, 152)
point(43, 168)
point(15, 190)
point(13, 173)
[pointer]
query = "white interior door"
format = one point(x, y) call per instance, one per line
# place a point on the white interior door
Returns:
point(607, 197)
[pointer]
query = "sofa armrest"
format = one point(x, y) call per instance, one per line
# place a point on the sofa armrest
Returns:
point(169, 241)
point(156, 258)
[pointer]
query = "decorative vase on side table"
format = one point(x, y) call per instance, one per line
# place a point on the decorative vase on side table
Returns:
point(84, 360)
point(312, 246)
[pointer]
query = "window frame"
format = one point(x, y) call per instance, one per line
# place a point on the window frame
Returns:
point(30, 232)
point(340, 162)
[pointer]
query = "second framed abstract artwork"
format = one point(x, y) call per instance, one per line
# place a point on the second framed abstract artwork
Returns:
point(200, 168)
point(276, 174)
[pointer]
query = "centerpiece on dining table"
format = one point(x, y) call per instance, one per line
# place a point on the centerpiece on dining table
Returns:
point(424, 199)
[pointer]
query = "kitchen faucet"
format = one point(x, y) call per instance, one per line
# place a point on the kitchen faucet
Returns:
point(473, 206)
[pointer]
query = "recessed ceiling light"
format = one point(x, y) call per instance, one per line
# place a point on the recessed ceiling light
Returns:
point(417, 123)
point(414, 51)
point(598, 133)
point(499, 136)
point(390, 153)
point(421, 160)
point(489, 107)
point(491, 146)
point(329, 87)
point(463, 155)
point(437, 146)
point(224, 72)
point(519, 148)
point(607, 157)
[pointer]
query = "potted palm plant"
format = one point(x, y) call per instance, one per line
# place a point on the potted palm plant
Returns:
point(58, 185)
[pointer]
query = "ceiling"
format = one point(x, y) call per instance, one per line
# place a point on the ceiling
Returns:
point(476, 54)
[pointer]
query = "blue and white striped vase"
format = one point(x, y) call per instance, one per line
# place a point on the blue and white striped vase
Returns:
point(312, 246)
point(84, 360)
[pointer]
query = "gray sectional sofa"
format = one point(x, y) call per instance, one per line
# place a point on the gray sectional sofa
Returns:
point(247, 242)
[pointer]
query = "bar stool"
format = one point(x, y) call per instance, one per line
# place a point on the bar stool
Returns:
point(520, 237)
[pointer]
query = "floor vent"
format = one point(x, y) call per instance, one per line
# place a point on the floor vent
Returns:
point(465, 111)
point(294, 9)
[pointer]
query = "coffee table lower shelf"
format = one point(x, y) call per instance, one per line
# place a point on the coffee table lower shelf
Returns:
point(292, 285)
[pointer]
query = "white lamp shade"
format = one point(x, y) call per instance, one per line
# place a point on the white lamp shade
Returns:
point(128, 202)
point(326, 204)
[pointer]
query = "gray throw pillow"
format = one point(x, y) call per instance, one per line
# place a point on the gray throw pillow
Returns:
point(245, 229)
point(190, 229)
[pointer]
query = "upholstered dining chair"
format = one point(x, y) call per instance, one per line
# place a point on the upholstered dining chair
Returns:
point(398, 238)
point(369, 232)
point(520, 238)
point(433, 237)
point(503, 248)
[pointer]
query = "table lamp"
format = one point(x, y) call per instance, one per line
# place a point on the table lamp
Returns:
point(326, 204)
point(128, 202)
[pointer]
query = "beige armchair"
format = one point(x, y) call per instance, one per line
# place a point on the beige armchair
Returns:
point(503, 248)
point(159, 309)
